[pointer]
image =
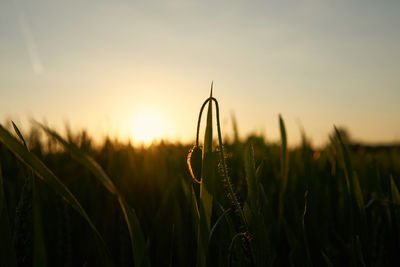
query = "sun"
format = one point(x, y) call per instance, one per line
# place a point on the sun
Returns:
point(147, 127)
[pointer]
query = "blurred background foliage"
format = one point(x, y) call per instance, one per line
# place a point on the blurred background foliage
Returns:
point(314, 229)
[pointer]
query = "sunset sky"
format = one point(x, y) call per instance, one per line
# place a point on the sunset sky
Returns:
point(106, 65)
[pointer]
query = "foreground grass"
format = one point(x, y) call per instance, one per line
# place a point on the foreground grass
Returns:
point(246, 203)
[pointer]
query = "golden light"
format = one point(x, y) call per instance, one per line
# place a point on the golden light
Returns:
point(147, 127)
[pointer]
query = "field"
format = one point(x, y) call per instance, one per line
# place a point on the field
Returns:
point(65, 201)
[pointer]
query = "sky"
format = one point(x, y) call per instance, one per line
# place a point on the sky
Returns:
point(98, 65)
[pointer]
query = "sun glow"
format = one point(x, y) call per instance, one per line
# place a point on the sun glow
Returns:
point(147, 127)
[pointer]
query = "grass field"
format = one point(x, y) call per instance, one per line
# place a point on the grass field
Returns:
point(67, 202)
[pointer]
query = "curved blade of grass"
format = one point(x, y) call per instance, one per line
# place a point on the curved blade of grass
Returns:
point(138, 241)
point(358, 218)
point(7, 253)
point(230, 250)
point(39, 247)
point(252, 209)
point(235, 130)
point(250, 170)
point(41, 170)
point(19, 134)
point(358, 195)
point(228, 182)
point(259, 171)
point(190, 196)
point(352, 180)
point(218, 221)
point(195, 209)
point(84, 159)
point(206, 198)
point(284, 165)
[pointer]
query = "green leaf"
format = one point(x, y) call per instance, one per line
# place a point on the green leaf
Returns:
point(225, 212)
point(195, 209)
point(358, 195)
point(235, 130)
point(253, 210)
point(259, 171)
point(351, 178)
point(252, 184)
point(39, 247)
point(41, 170)
point(138, 241)
point(284, 165)
point(206, 190)
point(84, 159)
point(358, 220)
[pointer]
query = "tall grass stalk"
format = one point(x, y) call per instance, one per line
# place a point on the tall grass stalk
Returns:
point(41, 170)
point(284, 166)
point(206, 192)
point(31, 199)
point(137, 238)
point(207, 187)
point(358, 218)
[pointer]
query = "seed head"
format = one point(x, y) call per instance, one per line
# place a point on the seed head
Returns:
point(194, 161)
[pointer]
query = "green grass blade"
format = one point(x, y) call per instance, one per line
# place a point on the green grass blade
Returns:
point(353, 183)
point(231, 245)
point(39, 247)
point(19, 134)
point(138, 241)
point(190, 196)
point(218, 221)
point(224, 168)
point(284, 149)
point(358, 218)
point(235, 130)
point(358, 195)
point(41, 170)
point(7, 253)
point(135, 231)
point(252, 206)
point(84, 159)
point(258, 231)
point(259, 171)
point(209, 129)
point(206, 190)
point(252, 184)
point(195, 208)
point(252, 209)
point(284, 165)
